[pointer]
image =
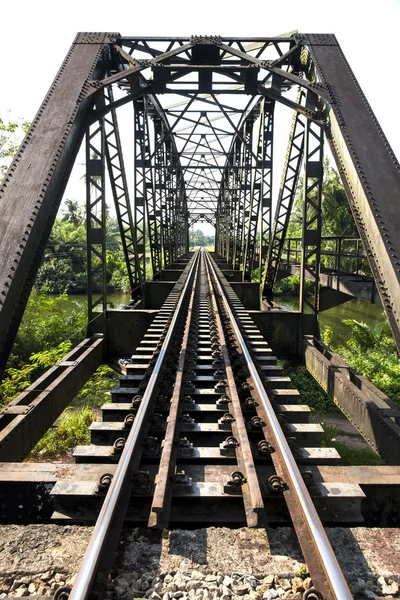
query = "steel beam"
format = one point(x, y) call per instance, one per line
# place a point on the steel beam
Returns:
point(287, 191)
point(24, 420)
point(312, 218)
point(120, 192)
point(246, 190)
point(368, 167)
point(375, 416)
point(96, 220)
point(34, 184)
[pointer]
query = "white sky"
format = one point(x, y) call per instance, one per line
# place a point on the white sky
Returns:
point(36, 35)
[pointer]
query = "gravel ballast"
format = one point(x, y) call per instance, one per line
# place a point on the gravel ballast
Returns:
point(202, 564)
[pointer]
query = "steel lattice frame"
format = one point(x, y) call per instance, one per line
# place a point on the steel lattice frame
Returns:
point(312, 216)
point(202, 89)
point(96, 218)
point(287, 191)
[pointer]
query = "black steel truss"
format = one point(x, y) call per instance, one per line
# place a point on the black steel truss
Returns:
point(96, 218)
point(312, 217)
point(203, 137)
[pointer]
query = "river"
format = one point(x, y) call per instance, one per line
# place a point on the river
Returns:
point(359, 310)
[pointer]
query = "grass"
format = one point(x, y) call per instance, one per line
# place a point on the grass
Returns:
point(72, 426)
point(323, 406)
point(349, 454)
point(356, 456)
point(71, 430)
point(312, 394)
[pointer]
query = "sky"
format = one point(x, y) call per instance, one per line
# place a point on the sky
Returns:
point(35, 37)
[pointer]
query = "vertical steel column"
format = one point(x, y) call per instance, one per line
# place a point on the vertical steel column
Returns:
point(140, 186)
point(231, 207)
point(312, 217)
point(237, 204)
point(167, 213)
point(160, 186)
point(261, 191)
point(173, 199)
point(287, 191)
point(246, 188)
point(266, 178)
point(120, 192)
point(95, 219)
point(153, 226)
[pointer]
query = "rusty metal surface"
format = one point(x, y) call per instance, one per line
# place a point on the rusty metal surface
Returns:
point(27, 418)
point(34, 184)
point(368, 167)
point(252, 497)
point(162, 496)
point(104, 540)
point(322, 563)
point(375, 416)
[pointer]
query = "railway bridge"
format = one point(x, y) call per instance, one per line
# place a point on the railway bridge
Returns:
point(204, 426)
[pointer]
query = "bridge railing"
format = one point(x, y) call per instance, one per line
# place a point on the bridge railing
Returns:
point(339, 255)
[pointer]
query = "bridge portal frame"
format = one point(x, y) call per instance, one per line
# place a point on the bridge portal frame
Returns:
point(33, 187)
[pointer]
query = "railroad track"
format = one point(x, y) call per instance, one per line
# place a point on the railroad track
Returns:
point(204, 428)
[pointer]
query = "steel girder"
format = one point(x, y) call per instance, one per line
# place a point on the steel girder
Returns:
point(203, 151)
point(369, 169)
point(262, 190)
point(32, 189)
point(312, 217)
point(143, 183)
point(96, 218)
point(120, 191)
point(287, 192)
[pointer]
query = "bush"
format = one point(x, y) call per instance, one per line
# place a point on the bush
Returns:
point(374, 355)
point(71, 430)
point(312, 394)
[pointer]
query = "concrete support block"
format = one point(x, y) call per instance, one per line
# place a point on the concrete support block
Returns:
point(125, 329)
point(248, 293)
point(155, 293)
point(283, 329)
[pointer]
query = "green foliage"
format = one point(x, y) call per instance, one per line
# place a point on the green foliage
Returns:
point(350, 455)
point(373, 354)
point(327, 335)
point(290, 286)
point(49, 329)
point(329, 435)
point(97, 390)
point(302, 571)
point(18, 378)
point(63, 268)
point(71, 430)
point(198, 238)
point(337, 219)
point(312, 394)
point(11, 135)
point(48, 321)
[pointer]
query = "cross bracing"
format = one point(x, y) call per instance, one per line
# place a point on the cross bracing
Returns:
point(203, 146)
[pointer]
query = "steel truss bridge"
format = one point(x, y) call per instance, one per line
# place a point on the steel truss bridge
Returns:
point(202, 140)
point(202, 149)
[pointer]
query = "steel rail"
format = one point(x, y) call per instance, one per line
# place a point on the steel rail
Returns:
point(162, 494)
point(328, 561)
point(104, 524)
point(252, 496)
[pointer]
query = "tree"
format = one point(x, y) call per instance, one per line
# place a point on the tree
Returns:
point(72, 212)
point(11, 134)
point(337, 219)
